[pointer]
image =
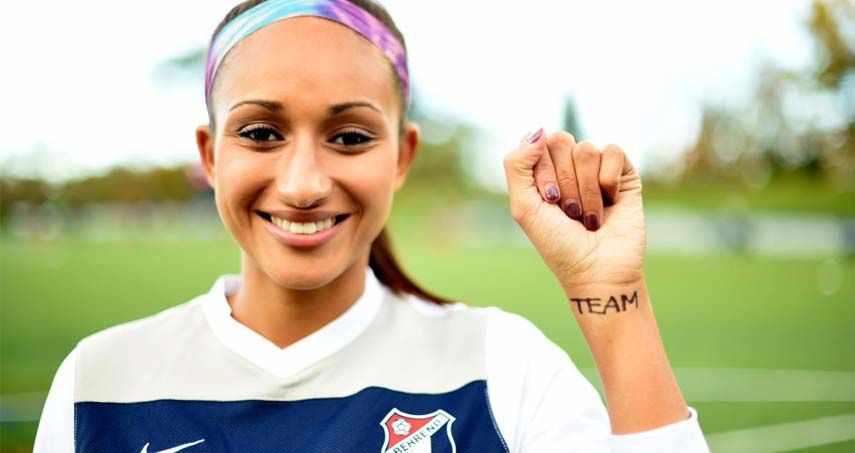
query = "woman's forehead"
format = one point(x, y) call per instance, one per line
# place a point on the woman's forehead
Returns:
point(306, 60)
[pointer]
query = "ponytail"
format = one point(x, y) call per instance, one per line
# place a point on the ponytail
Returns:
point(389, 272)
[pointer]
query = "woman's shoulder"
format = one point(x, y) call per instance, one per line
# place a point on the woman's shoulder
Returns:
point(457, 308)
point(498, 324)
point(128, 360)
point(170, 323)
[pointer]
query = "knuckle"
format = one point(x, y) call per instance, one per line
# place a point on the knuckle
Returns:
point(613, 149)
point(586, 150)
point(562, 139)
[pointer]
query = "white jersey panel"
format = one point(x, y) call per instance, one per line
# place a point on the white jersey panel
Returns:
point(55, 433)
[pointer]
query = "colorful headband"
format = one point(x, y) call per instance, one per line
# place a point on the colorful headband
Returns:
point(341, 11)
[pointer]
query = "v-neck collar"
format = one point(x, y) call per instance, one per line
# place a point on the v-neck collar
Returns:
point(284, 362)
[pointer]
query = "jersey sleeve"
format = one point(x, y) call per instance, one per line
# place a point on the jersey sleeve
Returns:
point(55, 433)
point(541, 402)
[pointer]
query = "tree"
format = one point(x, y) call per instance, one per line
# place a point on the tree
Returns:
point(797, 121)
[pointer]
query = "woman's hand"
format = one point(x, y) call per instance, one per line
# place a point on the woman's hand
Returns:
point(580, 207)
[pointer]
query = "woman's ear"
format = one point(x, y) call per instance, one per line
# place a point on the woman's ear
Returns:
point(408, 146)
point(205, 143)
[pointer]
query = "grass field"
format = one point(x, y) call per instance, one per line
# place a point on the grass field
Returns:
point(715, 313)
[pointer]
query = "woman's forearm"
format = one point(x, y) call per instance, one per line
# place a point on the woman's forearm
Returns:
point(620, 329)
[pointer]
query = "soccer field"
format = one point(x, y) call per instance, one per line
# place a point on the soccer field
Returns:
point(763, 347)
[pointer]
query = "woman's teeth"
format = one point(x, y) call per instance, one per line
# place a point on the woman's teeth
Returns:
point(303, 227)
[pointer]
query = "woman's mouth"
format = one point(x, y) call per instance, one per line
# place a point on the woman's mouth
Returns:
point(303, 234)
point(303, 227)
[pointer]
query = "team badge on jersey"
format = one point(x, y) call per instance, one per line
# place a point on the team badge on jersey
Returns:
point(407, 433)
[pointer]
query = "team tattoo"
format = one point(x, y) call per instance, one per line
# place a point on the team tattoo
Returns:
point(600, 306)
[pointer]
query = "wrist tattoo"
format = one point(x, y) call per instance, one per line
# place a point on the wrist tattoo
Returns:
point(595, 305)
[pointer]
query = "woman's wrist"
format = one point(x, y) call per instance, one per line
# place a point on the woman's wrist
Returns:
point(618, 324)
point(606, 299)
point(614, 317)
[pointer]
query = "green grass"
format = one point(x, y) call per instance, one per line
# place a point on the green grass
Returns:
point(725, 311)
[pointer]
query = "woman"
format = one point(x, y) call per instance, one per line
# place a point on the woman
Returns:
point(322, 343)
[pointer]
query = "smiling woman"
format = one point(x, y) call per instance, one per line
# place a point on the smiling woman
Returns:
point(322, 343)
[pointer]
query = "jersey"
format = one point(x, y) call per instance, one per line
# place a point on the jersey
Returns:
point(393, 374)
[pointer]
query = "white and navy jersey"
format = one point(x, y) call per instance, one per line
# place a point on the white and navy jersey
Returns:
point(392, 374)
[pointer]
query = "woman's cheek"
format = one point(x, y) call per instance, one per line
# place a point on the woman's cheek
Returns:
point(240, 180)
point(372, 181)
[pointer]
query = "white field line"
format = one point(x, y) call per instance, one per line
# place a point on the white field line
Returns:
point(709, 385)
point(717, 384)
point(21, 407)
point(785, 436)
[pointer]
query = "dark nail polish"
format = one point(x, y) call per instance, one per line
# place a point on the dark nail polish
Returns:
point(534, 136)
point(592, 221)
point(552, 193)
point(572, 209)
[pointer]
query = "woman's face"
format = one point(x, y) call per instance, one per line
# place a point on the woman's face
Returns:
point(306, 154)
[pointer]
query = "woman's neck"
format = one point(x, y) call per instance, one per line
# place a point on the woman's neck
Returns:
point(285, 315)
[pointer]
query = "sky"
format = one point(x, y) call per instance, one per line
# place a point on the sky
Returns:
point(81, 92)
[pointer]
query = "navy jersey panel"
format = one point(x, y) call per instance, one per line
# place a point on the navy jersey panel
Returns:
point(348, 424)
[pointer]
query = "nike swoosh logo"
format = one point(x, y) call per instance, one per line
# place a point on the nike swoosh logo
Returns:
point(173, 449)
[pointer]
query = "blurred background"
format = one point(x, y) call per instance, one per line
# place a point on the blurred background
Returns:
point(741, 116)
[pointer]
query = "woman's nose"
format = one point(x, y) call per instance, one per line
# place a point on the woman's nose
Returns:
point(302, 180)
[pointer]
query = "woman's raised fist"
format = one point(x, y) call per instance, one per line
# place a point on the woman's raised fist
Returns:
point(580, 207)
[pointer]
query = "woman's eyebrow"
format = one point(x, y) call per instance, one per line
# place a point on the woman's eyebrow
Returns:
point(273, 106)
point(333, 109)
point(338, 108)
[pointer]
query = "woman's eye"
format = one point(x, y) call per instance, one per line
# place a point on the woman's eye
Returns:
point(350, 138)
point(260, 134)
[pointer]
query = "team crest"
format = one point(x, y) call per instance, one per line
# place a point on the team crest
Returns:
point(407, 433)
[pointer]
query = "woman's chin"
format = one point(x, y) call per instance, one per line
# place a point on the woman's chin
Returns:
point(302, 274)
point(302, 277)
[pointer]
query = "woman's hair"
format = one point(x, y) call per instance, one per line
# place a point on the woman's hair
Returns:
point(382, 259)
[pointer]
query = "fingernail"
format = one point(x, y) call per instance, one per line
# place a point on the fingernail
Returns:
point(572, 209)
point(592, 221)
point(552, 192)
point(532, 137)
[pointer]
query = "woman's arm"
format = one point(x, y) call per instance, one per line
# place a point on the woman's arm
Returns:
point(641, 391)
point(582, 210)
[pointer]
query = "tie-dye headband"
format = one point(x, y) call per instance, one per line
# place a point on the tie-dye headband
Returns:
point(341, 11)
